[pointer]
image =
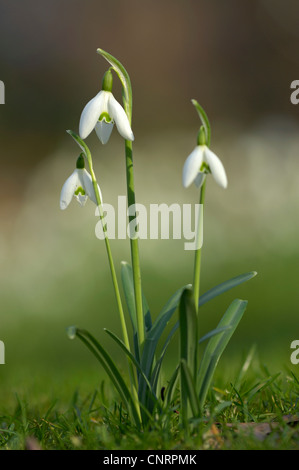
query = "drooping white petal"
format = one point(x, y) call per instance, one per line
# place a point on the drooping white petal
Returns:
point(87, 185)
point(199, 180)
point(118, 114)
point(68, 190)
point(216, 167)
point(192, 165)
point(103, 130)
point(90, 115)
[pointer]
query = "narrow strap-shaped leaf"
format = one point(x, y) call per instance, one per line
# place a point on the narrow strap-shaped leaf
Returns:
point(128, 287)
point(158, 364)
point(188, 330)
point(171, 387)
point(189, 388)
point(188, 348)
point(225, 286)
point(216, 346)
point(132, 358)
point(104, 358)
point(153, 337)
point(204, 119)
point(157, 330)
point(124, 78)
point(214, 332)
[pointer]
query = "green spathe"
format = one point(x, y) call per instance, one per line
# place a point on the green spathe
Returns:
point(80, 164)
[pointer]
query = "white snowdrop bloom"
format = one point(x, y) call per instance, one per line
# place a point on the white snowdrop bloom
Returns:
point(101, 112)
point(78, 185)
point(197, 160)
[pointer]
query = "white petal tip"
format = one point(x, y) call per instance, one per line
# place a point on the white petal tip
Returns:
point(63, 205)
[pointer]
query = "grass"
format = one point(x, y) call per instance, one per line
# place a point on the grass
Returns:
point(95, 420)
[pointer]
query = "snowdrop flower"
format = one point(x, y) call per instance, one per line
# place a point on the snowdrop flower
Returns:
point(78, 185)
point(200, 161)
point(102, 112)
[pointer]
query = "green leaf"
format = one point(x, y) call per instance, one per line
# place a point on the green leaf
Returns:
point(124, 78)
point(212, 333)
point(111, 369)
point(189, 389)
point(128, 287)
point(245, 366)
point(154, 335)
point(158, 364)
point(224, 287)
point(157, 329)
point(188, 348)
point(132, 358)
point(204, 119)
point(171, 387)
point(188, 325)
point(217, 345)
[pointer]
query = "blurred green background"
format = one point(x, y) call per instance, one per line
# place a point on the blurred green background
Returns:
point(238, 60)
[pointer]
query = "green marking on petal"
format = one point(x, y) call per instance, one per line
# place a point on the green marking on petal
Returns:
point(105, 116)
point(205, 168)
point(80, 190)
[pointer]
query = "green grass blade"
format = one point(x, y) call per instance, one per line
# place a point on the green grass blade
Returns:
point(224, 287)
point(245, 366)
point(216, 346)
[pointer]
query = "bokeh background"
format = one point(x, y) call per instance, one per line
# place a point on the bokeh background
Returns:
point(238, 60)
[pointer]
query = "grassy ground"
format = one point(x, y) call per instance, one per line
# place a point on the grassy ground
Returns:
point(90, 417)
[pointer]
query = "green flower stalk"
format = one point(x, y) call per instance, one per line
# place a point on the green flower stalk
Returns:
point(127, 100)
point(200, 162)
